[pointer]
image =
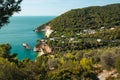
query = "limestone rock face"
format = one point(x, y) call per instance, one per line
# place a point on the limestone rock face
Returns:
point(42, 48)
point(48, 31)
point(36, 49)
point(48, 49)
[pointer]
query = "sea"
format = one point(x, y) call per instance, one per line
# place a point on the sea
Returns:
point(20, 30)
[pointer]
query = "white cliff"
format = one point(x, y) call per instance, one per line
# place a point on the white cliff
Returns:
point(48, 31)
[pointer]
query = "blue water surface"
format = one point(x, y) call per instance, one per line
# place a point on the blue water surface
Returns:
point(19, 30)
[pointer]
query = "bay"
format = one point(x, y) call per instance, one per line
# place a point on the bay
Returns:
point(19, 30)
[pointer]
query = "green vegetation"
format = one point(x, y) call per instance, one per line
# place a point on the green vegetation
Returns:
point(88, 36)
point(7, 8)
point(117, 64)
point(84, 42)
point(87, 18)
point(87, 28)
point(76, 65)
point(46, 67)
point(98, 39)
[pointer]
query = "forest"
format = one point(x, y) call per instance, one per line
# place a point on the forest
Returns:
point(93, 17)
point(86, 28)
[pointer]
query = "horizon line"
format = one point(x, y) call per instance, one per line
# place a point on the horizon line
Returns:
point(32, 15)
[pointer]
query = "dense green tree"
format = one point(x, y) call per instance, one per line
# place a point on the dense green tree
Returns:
point(108, 59)
point(87, 18)
point(10, 71)
point(5, 53)
point(7, 9)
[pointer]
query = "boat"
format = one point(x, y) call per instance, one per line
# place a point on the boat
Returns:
point(26, 46)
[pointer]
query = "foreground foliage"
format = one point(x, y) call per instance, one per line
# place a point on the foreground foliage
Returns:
point(76, 65)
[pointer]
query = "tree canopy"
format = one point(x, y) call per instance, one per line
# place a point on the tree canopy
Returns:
point(87, 18)
point(7, 9)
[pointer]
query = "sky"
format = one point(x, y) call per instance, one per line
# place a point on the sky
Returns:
point(57, 7)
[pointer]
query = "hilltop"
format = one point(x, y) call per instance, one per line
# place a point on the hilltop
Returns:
point(91, 17)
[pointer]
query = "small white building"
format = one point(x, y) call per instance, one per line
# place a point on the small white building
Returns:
point(63, 41)
point(62, 36)
point(89, 31)
point(98, 40)
point(112, 28)
point(52, 39)
point(78, 34)
point(72, 39)
point(102, 27)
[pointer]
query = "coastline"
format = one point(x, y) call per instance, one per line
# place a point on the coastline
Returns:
point(19, 30)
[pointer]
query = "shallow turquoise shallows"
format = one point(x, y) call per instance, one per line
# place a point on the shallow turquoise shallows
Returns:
point(19, 30)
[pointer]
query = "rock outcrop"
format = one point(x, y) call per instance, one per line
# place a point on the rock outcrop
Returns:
point(41, 52)
point(42, 48)
point(48, 31)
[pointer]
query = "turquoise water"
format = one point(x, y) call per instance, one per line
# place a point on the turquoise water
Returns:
point(19, 30)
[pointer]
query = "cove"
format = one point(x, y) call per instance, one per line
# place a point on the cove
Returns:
point(19, 30)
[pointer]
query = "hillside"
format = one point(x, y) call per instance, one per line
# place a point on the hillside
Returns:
point(86, 28)
point(90, 17)
point(87, 33)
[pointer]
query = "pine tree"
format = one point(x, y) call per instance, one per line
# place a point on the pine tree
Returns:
point(7, 9)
